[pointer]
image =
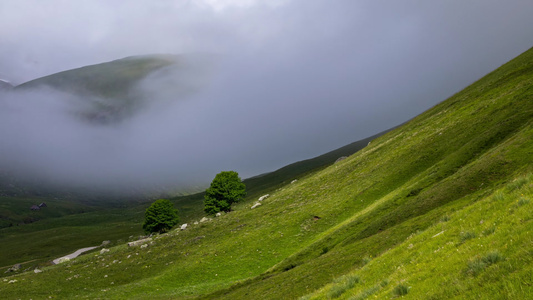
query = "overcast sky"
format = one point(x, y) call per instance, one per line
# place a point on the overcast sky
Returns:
point(297, 78)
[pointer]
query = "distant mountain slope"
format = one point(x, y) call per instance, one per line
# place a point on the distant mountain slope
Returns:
point(118, 89)
point(107, 80)
point(108, 87)
point(286, 174)
point(438, 208)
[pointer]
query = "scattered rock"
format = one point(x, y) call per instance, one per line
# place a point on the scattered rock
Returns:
point(184, 226)
point(263, 197)
point(105, 243)
point(104, 250)
point(139, 242)
point(13, 281)
point(14, 268)
point(204, 219)
point(196, 223)
point(256, 205)
point(37, 271)
point(294, 181)
point(144, 246)
point(219, 214)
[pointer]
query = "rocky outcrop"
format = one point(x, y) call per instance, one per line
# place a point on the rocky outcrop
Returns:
point(14, 268)
point(139, 242)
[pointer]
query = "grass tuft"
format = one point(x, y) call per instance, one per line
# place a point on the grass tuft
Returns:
point(499, 196)
point(343, 284)
point(479, 264)
point(366, 260)
point(489, 231)
point(400, 290)
point(523, 201)
point(465, 236)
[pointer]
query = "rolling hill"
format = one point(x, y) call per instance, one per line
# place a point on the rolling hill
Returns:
point(113, 91)
point(437, 208)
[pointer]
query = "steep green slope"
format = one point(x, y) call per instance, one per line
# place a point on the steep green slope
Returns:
point(370, 216)
point(191, 206)
point(270, 181)
point(68, 217)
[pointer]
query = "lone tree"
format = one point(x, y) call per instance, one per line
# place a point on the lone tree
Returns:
point(225, 189)
point(160, 217)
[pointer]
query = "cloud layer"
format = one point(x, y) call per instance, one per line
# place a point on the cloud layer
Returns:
point(294, 79)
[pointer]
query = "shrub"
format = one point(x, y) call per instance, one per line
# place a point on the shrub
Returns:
point(225, 189)
point(160, 217)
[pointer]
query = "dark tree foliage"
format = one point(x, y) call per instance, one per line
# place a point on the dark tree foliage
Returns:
point(160, 217)
point(225, 189)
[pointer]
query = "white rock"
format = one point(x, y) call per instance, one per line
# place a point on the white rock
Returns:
point(144, 246)
point(104, 250)
point(204, 219)
point(256, 205)
point(37, 271)
point(139, 242)
point(263, 197)
point(62, 260)
point(184, 226)
point(294, 181)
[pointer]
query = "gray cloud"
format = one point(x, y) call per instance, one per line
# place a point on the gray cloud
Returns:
point(293, 80)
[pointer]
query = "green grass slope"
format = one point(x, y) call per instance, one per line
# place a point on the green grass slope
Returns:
point(191, 206)
point(436, 209)
point(68, 224)
point(270, 181)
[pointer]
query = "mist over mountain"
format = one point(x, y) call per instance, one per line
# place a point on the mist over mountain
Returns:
point(290, 80)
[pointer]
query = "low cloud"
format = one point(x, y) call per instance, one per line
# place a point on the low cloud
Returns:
point(291, 80)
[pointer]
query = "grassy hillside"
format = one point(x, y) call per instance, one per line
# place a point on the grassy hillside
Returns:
point(111, 219)
point(273, 180)
point(191, 206)
point(438, 208)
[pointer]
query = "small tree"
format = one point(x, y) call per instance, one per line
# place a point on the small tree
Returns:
point(225, 189)
point(160, 217)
